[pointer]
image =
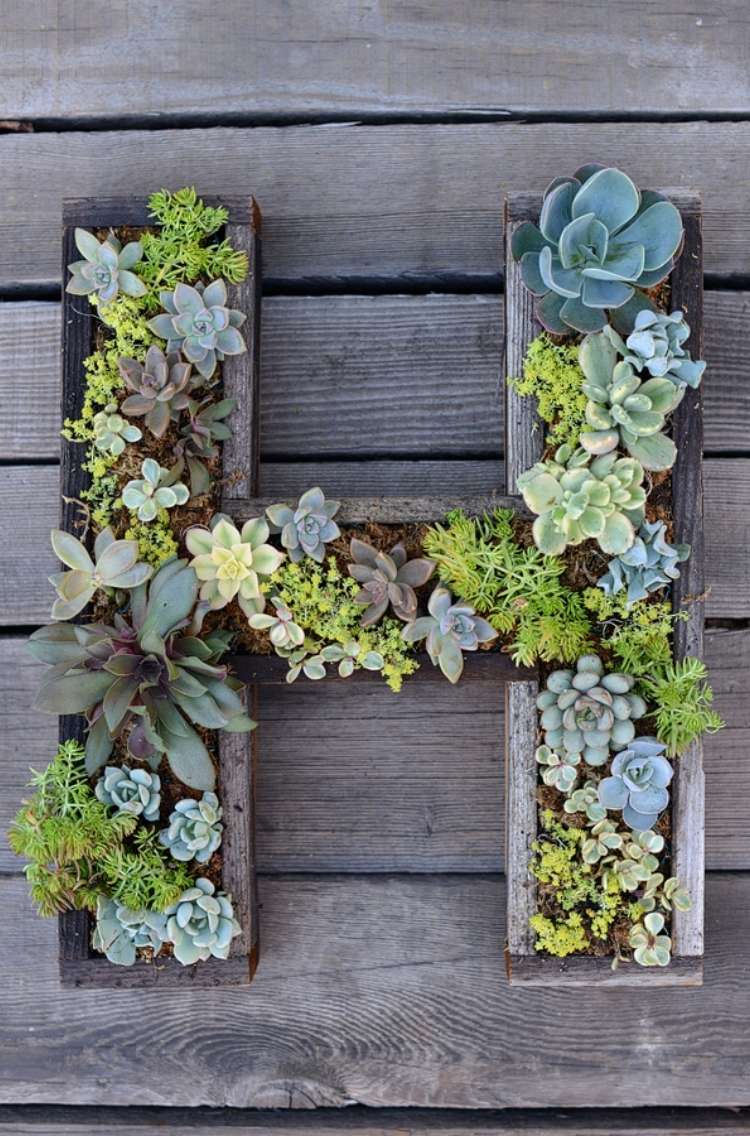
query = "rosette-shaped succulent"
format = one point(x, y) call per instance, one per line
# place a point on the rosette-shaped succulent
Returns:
point(388, 580)
point(655, 345)
point(119, 932)
point(602, 840)
point(283, 632)
point(577, 499)
point(649, 564)
point(198, 322)
point(116, 566)
point(111, 432)
point(598, 240)
point(589, 712)
point(202, 429)
point(638, 783)
point(105, 268)
point(230, 563)
point(585, 799)
point(195, 829)
point(307, 529)
point(560, 772)
point(158, 388)
point(450, 629)
point(147, 678)
point(157, 489)
point(651, 947)
point(624, 410)
point(128, 790)
point(201, 924)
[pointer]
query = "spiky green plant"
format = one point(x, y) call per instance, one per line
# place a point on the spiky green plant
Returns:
point(682, 704)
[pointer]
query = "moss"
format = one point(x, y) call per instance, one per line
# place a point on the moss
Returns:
point(561, 937)
point(610, 906)
point(156, 541)
point(551, 375)
point(639, 636)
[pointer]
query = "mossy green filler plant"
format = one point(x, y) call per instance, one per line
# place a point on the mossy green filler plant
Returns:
point(615, 721)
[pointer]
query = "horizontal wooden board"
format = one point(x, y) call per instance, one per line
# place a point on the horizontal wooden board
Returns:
point(355, 778)
point(66, 1120)
point(356, 201)
point(339, 372)
point(340, 58)
point(384, 990)
point(29, 495)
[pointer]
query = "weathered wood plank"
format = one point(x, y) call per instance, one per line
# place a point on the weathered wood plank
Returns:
point(357, 58)
point(579, 972)
point(391, 510)
point(406, 200)
point(366, 356)
point(406, 804)
point(384, 991)
point(484, 666)
point(28, 496)
point(66, 1120)
point(521, 730)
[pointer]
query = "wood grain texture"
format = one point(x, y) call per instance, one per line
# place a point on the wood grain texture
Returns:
point(415, 804)
point(360, 58)
point(406, 200)
point(521, 730)
point(65, 1120)
point(240, 453)
point(378, 990)
point(524, 429)
point(485, 666)
point(330, 361)
point(391, 510)
point(579, 972)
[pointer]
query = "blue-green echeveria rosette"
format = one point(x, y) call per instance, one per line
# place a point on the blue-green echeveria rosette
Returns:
point(638, 783)
point(201, 924)
point(195, 829)
point(157, 489)
point(198, 322)
point(135, 791)
point(648, 565)
point(449, 630)
point(306, 529)
point(599, 239)
point(120, 932)
point(105, 268)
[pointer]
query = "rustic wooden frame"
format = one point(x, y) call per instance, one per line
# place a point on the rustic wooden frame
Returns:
point(79, 965)
point(524, 443)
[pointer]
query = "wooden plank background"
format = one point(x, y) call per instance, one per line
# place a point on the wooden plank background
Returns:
point(380, 138)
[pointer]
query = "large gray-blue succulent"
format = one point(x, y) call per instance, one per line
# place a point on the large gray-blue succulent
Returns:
point(649, 564)
point(599, 239)
point(638, 783)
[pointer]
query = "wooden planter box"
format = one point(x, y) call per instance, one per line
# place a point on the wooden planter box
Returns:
point(524, 443)
point(79, 964)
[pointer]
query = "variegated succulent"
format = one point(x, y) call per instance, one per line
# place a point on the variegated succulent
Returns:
point(117, 566)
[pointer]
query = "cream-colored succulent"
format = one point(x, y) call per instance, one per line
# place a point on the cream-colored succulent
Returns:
point(230, 563)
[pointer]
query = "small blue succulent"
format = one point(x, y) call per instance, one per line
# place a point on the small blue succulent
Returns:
point(655, 345)
point(638, 784)
point(120, 932)
point(195, 830)
point(198, 322)
point(307, 529)
point(599, 238)
point(134, 791)
point(105, 268)
point(649, 564)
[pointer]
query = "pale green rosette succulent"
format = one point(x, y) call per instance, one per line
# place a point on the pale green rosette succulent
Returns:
point(195, 829)
point(116, 566)
point(154, 491)
point(134, 791)
point(201, 924)
point(578, 499)
point(105, 268)
point(111, 432)
point(231, 563)
point(120, 932)
point(450, 629)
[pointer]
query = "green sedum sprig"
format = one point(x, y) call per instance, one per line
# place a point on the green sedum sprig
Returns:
point(682, 700)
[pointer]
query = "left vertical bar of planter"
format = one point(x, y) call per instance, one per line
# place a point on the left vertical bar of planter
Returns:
point(79, 965)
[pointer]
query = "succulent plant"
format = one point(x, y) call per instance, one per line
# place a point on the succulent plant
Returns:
point(157, 489)
point(667, 894)
point(307, 529)
point(450, 629)
point(602, 841)
point(560, 772)
point(119, 932)
point(282, 630)
point(111, 432)
point(159, 388)
point(231, 564)
point(152, 675)
point(116, 566)
point(598, 240)
point(128, 790)
point(201, 924)
point(577, 499)
point(198, 322)
point(388, 580)
point(203, 428)
point(303, 660)
point(638, 783)
point(637, 862)
point(651, 947)
point(655, 345)
point(105, 268)
point(589, 712)
point(623, 409)
point(585, 799)
point(195, 829)
point(349, 655)
point(649, 564)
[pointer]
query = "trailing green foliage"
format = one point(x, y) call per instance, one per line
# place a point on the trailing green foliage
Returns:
point(519, 590)
point(142, 876)
point(639, 636)
point(553, 376)
point(682, 704)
